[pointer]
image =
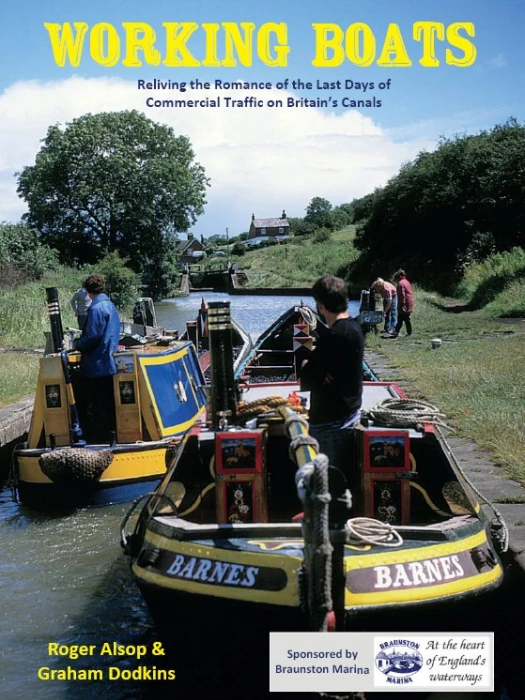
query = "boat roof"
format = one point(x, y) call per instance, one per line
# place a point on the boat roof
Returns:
point(373, 392)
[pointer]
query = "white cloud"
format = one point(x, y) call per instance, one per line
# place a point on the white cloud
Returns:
point(259, 160)
point(498, 61)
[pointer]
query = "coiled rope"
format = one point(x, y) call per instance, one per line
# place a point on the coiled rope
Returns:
point(246, 410)
point(370, 531)
point(405, 413)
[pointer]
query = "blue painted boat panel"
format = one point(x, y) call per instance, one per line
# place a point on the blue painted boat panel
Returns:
point(175, 384)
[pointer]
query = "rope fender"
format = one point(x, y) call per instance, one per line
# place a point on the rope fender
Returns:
point(68, 465)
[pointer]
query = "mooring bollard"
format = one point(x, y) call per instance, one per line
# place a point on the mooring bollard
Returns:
point(435, 343)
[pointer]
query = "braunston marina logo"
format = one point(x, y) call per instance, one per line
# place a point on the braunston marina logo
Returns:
point(398, 660)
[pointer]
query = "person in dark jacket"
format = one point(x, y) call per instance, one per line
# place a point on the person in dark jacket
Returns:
point(97, 344)
point(334, 374)
point(405, 303)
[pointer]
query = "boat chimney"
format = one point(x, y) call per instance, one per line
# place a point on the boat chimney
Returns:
point(223, 402)
point(55, 319)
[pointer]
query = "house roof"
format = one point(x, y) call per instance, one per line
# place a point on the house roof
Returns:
point(269, 223)
point(184, 245)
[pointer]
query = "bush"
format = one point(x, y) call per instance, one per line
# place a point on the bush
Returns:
point(238, 248)
point(22, 256)
point(510, 303)
point(121, 282)
point(322, 235)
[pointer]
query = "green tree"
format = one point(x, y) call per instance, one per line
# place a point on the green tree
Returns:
point(449, 208)
point(319, 212)
point(114, 181)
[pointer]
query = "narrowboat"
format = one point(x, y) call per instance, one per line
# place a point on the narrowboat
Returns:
point(197, 332)
point(251, 526)
point(159, 392)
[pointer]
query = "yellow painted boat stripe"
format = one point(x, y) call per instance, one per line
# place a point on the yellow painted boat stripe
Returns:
point(287, 596)
point(401, 556)
point(418, 593)
point(162, 359)
point(229, 555)
point(125, 465)
point(179, 427)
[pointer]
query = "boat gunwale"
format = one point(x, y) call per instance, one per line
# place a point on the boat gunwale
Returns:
point(171, 528)
point(115, 449)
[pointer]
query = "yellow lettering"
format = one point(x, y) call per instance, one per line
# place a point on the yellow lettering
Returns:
point(211, 60)
point(328, 40)
point(243, 46)
point(101, 34)
point(177, 34)
point(64, 45)
point(140, 37)
point(394, 53)
point(428, 32)
point(264, 48)
point(462, 43)
point(356, 33)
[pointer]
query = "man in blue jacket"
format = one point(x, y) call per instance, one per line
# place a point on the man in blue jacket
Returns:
point(97, 344)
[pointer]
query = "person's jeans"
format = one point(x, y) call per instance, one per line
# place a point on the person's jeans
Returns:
point(391, 315)
point(336, 442)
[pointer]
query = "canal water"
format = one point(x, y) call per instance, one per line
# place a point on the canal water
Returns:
point(65, 581)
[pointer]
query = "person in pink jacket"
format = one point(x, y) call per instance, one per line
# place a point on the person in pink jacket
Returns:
point(405, 303)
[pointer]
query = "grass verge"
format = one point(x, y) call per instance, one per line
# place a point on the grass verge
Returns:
point(18, 375)
point(299, 262)
point(475, 377)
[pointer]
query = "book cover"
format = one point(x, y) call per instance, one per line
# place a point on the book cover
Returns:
point(283, 105)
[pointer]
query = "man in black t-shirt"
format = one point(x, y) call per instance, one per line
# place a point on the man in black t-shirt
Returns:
point(333, 373)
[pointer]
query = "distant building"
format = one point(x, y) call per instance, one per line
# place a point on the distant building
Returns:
point(190, 250)
point(268, 231)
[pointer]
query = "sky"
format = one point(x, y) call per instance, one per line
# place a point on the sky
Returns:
point(261, 160)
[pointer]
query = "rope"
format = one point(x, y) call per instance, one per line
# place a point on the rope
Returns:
point(370, 531)
point(308, 316)
point(265, 405)
point(405, 413)
point(301, 440)
point(499, 529)
point(312, 487)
